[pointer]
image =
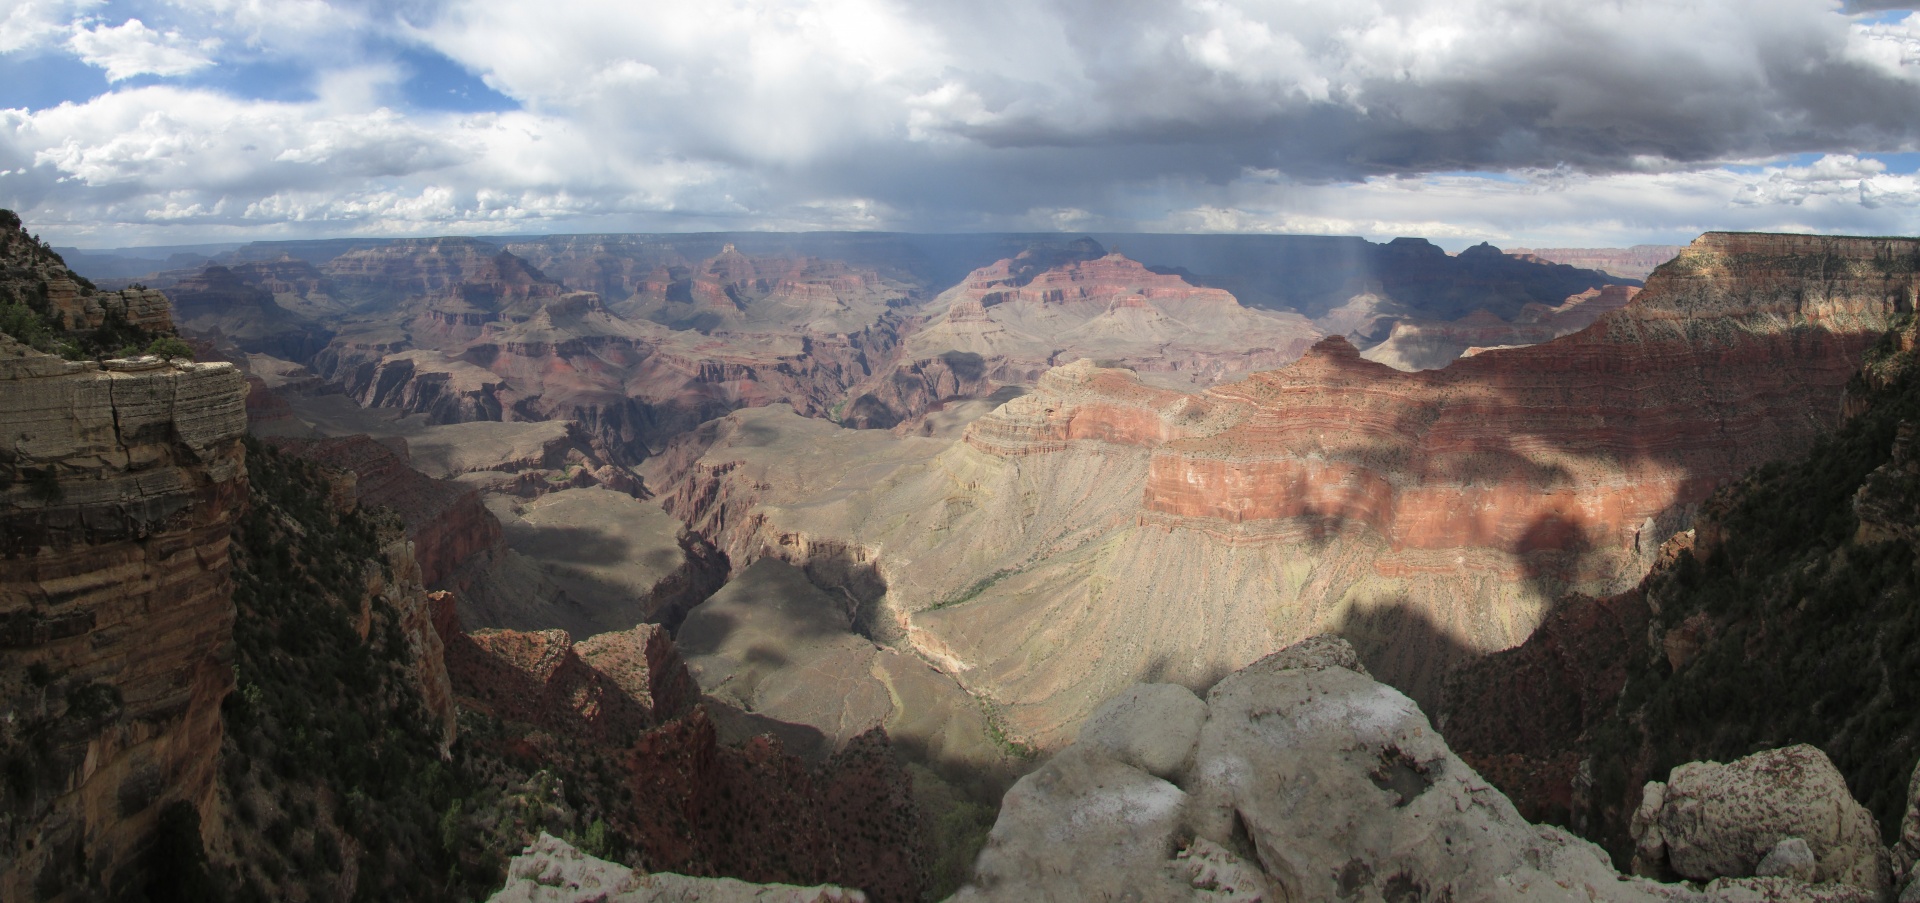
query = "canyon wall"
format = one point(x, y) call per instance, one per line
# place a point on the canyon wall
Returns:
point(121, 483)
point(1098, 529)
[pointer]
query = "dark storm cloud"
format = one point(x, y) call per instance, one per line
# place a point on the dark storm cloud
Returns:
point(980, 114)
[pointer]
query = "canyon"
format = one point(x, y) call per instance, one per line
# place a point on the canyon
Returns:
point(786, 558)
point(1100, 530)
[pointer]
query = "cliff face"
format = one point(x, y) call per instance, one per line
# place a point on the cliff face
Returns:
point(29, 269)
point(1637, 262)
point(619, 715)
point(1009, 322)
point(1426, 515)
point(1805, 565)
point(446, 521)
point(120, 487)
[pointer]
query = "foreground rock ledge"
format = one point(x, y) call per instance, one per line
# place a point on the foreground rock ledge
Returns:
point(1300, 778)
point(550, 870)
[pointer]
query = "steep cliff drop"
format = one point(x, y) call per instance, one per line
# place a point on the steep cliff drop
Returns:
point(119, 484)
point(1099, 530)
point(1785, 615)
point(1007, 323)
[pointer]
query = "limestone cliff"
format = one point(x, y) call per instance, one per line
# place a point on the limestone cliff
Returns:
point(1805, 565)
point(119, 484)
point(1007, 323)
point(1100, 529)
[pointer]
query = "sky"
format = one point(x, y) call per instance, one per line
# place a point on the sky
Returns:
point(1539, 123)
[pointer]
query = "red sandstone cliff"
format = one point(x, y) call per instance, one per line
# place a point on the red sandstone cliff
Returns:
point(1100, 530)
point(693, 804)
point(446, 521)
point(1007, 323)
point(120, 484)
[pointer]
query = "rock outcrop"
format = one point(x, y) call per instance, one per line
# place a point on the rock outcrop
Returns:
point(119, 484)
point(31, 273)
point(1637, 262)
point(1804, 564)
point(621, 707)
point(550, 870)
point(1782, 812)
point(1303, 779)
point(1428, 515)
point(446, 521)
point(1009, 322)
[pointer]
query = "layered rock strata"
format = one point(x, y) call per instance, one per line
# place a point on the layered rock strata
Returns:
point(118, 488)
point(1428, 515)
point(446, 521)
point(1007, 323)
point(622, 707)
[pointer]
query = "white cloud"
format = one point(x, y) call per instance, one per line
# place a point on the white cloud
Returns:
point(1261, 115)
point(32, 24)
point(131, 48)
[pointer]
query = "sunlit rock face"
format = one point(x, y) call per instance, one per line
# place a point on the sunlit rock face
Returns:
point(1100, 529)
point(1005, 324)
point(121, 483)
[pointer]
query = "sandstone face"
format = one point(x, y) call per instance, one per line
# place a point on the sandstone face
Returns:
point(691, 803)
point(1637, 262)
point(1007, 323)
point(1711, 820)
point(1099, 530)
point(1309, 781)
point(115, 605)
point(609, 689)
point(446, 521)
point(550, 870)
point(31, 273)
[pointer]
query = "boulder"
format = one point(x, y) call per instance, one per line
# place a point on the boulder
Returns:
point(550, 870)
point(1152, 727)
point(1715, 820)
point(1790, 858)
point(1309, 781)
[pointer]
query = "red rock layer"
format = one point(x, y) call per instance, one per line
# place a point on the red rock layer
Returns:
point(608, 690)
point(446, 520)
point(696, 806)
point(118, 489)
point(1101, 280)
point(1735, 354)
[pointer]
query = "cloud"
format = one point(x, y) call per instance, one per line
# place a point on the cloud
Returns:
point(32, 24)
point(1369, 116)
point(131, 48)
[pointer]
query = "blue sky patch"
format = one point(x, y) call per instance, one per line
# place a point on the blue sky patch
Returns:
point(436, 82)
point(37, 81)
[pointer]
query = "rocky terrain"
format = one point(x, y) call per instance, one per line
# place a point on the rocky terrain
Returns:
point(1007, 323)
point(1636, 262)
point(1805, 565)
point(119, 485)
point(619, 712)
point(1300, 778)
point(1426, 345)
point(1100, 530)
